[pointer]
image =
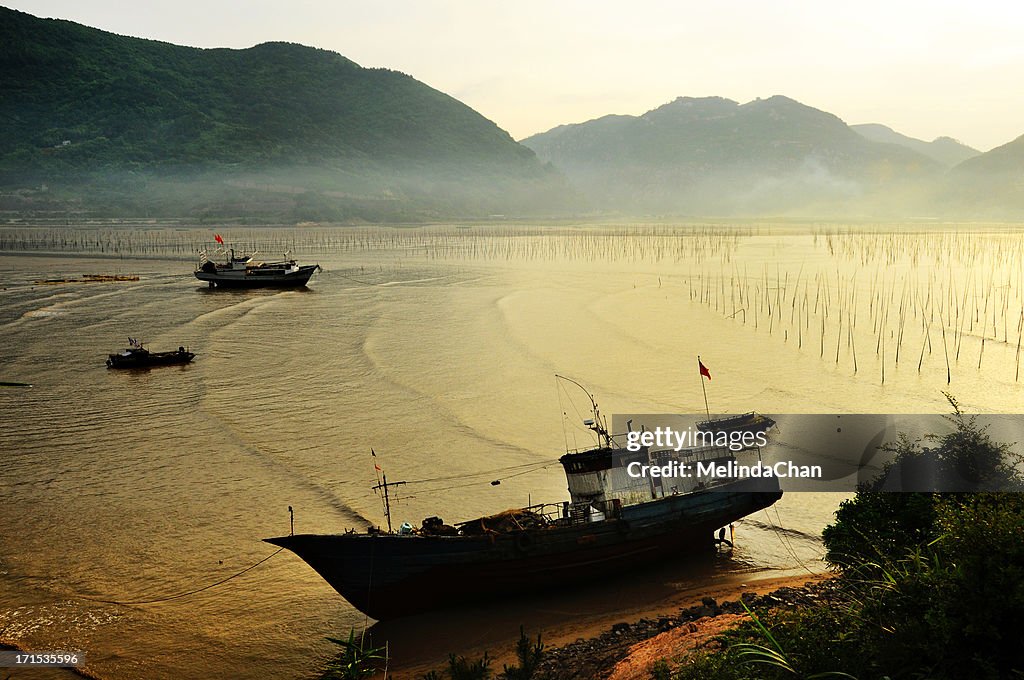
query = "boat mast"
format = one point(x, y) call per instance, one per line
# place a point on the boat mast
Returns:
point(387, 499)
point(598, 425)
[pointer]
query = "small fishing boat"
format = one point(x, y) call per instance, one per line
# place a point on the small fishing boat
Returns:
point(745, 422)
point(137, 356)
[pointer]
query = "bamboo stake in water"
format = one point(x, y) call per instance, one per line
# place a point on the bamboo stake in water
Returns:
point(882, 361)
point(839, 333)
point(949, 376)
point(1020, 328)
point(924, 342)
point(853, 349)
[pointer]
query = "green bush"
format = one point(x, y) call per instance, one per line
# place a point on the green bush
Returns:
point(529, 654)
point(356, 660)
point(877, 525)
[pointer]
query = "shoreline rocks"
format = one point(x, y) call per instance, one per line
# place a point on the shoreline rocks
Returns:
point(596, 658)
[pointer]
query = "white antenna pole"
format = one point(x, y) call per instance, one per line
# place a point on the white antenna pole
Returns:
point(598, 427)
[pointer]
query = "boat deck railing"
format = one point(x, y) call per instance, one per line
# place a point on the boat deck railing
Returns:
point(567, 513)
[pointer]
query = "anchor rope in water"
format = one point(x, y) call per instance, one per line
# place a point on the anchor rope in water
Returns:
point(537, 464)
point(475, 483)
point(187, 593)
point(784, 540)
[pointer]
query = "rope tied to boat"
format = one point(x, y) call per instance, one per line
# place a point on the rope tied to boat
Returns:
point(178, 596)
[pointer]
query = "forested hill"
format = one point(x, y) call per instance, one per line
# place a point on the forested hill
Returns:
point(86, 109)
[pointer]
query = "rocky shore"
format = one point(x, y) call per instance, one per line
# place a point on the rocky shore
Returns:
point(629, 650)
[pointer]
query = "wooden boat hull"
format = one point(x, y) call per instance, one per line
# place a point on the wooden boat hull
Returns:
point(149, 361)
point(389, 576)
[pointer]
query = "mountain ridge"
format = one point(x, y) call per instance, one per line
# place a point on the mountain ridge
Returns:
point(83, 106)
point(945, 150)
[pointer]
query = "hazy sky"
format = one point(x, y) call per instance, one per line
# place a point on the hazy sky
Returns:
point(923, 68)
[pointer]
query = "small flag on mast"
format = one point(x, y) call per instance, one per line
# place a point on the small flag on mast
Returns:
point(218, 239)
point(705, 373)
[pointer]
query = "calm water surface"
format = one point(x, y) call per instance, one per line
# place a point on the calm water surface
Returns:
point(438, 349)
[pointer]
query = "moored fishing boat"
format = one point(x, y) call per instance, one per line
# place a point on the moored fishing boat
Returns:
point(245, 271)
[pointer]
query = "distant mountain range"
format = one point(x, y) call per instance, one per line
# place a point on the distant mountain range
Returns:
point(106, 125)
point(775, 156)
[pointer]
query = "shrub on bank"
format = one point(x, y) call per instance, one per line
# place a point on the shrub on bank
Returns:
point(929, 584)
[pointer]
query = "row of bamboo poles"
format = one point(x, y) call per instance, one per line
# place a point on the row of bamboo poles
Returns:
point(903, 298)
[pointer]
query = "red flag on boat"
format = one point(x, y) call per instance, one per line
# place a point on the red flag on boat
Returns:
point(704, 369)
point(218, 239)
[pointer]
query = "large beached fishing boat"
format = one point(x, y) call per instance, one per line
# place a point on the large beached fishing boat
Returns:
point(245, 271)
point(613, 522)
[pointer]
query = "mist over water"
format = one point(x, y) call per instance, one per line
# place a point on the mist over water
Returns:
point(437, 347)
